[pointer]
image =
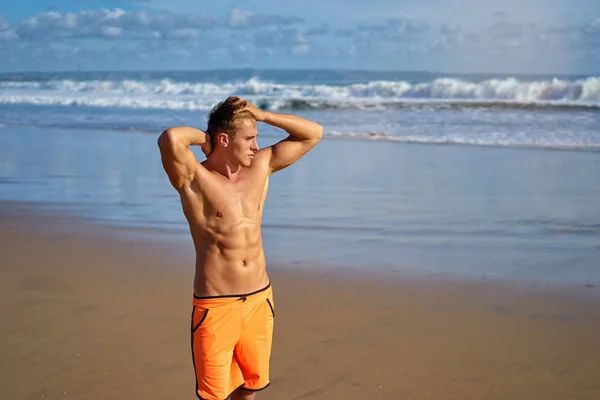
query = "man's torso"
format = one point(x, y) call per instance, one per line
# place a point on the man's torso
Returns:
point(225, 222)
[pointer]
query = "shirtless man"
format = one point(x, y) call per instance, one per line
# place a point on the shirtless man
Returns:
point(222, 199)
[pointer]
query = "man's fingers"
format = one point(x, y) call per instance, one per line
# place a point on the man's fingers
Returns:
point(242, 105)
point(239, 100)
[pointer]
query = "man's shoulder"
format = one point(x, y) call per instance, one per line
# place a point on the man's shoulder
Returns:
point(260, 163)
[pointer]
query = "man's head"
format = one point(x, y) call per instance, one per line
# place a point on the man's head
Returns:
point(233, 131)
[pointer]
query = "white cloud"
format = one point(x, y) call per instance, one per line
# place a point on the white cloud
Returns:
point(114, 14)
point(244, 19)
point(593, 26)
point(112, 31)
point(3, 23)
point(184, 33)
point(301, 49)
point(8, 36)
point(505, 45)
point(279, 37)
point(450, 30)
point(502, 29)
point(147, 38)
point(396, 28)
point(380, 35)
point(321, 30)
point(112, 23)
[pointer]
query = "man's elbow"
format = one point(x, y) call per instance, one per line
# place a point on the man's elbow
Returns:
point(167, 138)
point(319, 132)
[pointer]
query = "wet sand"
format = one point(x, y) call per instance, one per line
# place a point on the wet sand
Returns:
point(91, 313)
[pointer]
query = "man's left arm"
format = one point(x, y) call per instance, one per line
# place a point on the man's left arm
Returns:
point(303, 136)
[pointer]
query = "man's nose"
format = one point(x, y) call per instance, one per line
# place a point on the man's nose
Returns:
point(254, 145)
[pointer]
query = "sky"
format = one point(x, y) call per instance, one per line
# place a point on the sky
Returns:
point(463, 36)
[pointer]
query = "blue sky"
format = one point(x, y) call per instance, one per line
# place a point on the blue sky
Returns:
point(507, 36)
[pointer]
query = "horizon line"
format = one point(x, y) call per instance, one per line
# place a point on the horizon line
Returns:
point(349, 70)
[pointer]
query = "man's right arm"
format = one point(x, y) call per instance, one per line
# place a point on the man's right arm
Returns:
point(178, 160)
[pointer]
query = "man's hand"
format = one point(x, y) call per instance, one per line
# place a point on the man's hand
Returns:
point(245, 105)
point(206, 146)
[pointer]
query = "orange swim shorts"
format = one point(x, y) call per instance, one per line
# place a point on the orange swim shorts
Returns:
point(231, 342)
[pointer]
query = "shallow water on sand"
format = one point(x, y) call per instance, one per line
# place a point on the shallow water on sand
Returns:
point(525, 214)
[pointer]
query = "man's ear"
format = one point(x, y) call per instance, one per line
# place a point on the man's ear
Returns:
point(223, 139)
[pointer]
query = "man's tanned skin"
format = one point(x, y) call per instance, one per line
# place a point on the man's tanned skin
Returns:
point(223, 197)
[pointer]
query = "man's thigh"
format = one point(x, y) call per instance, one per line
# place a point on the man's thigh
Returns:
point(214, 337)
point(253, 351)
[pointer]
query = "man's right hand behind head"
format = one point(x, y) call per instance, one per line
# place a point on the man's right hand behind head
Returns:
point(207, 145)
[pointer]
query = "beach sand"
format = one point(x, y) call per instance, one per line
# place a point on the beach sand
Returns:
point(91, 313)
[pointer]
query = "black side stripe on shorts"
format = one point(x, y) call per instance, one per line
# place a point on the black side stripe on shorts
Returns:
point(192, 330)
point(271, 307)
point(201, 320)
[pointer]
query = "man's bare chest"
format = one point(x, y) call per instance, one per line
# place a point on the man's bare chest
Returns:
point(233, 200)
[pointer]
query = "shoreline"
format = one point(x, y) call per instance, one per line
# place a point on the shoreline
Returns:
point(431, 214)
point(56, 218)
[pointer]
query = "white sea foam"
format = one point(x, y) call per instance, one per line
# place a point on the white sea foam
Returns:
point(517, 127)
point(487, 140)
point(107, 101)
point(169, 94)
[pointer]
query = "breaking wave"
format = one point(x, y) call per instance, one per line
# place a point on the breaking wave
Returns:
point(438, 93)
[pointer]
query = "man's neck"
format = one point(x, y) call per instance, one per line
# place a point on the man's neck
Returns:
point(222, 166)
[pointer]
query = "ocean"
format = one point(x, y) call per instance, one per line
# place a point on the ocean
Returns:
point(456, 175)
point(542, 111)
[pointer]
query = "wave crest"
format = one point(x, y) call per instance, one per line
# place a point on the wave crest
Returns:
point(442, 92)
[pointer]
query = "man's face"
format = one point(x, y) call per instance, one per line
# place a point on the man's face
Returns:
point(243, 146)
